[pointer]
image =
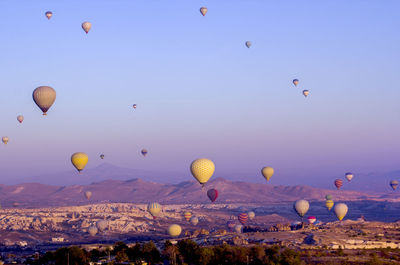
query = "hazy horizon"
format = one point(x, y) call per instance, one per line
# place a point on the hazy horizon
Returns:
point(200, 92)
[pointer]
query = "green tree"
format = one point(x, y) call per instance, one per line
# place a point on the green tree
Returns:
point(290, 257)
point(151, 253)
point(189, 251)
point(121, 256)
point(119, 246)
point(72, 255)
point(257, 255)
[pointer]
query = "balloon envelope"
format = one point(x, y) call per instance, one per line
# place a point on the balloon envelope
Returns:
point(194, 220)
point(248, 44)
point(187, 216)
point(212, 194)
point(349, 176)
point(86, 26)
point(341, 210)
point(20, 118)
point(102, 225)
point(338, 183)
point(92, 230)
point(311, 219)
point(251, 215)
point(174, 230)
point(394, 184)
point(328, 197)
point(49, 14)
point(267, 172)
point(88, 194)
point(295, 82)
point(44, 97)
point(102, 156)
point(79, 160)
point(203, 10)
point(144, 152)
point(306, 93)
point(154, 209)
point(134, 106)
point(231, 224)
point(301, 207)
point(4, 139)
point(329, 204)
point(239, 228)
point(202, 169)
point(243, 217)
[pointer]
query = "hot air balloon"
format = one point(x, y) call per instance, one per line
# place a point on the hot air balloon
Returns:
point(144, 152)
point(301, 207)
point(230, 224)
point(341, 210)
point(251, 215)
point(394, 184)
point(92, 230)
point(203, 10)
point(134, 106)
point(88, 194)
point(349, 176)
point(267, 172)
point(187, 216)
point(44, 97)
point(154, 209)
point(311, 219)
point(194, 220)
point(102, 156)
point(49, 14)
point(306, 92)
point(238, 229)
point(79, 160)
point(295, 82)
point(328, 197)
point(329, 204)
point(202, 169)
point(174, 230)
point(243, 217)
point(248, 44)
point(86, 26)
point(101, 225)
point(20, 118)
point(212, 194)
point(338, 183)
point(4, 139)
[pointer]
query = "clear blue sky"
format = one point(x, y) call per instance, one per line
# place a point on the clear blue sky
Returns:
point(200, 92)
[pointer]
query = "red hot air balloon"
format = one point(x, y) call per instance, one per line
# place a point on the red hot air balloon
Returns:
point(338, 183)
point(212, 194)
point(311, 219)
point(243, 217)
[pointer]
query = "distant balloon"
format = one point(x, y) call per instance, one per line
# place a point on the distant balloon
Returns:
point(92, 230)
point(338, 183)
point(134, 106)
point(49, 14)
point(194, 220)
point(202, 169)
point(394, 184)
point(328, 197)
point(44, 97)
point(295, 82)
point(86, 26)
point(301, 207)
point(101, 225)
point(144, 152)
point(341, 210)
point(20, 118)
point(212, 194)
point(311, 219)
point(4, 139)
point(238, 229)
point(88, 194)
point(251, 215)
point(243, 217)
point(154, 209)
point(248, 44)
point(203, 11)
point(102, 156)
point(231, 224)
point(329, 204)
point(174, 230)
point(187, 216)
point(267, 172)
point(79, 160)
point(349, 176)
point(306, 93)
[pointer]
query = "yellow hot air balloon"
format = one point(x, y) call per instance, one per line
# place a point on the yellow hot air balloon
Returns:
point(154, 209)
point(187, 216)
point(329, 204)
point(44, 97)
point(79, 160)
point(174, 230)
point(202, 169)
point(86, 26)
point(267, 172)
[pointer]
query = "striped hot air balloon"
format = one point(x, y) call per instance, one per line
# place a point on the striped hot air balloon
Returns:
point(329, 204)
point(154, 209)
point(394, 184)
point(338, 183)
point(187, 216)
point(243, 217)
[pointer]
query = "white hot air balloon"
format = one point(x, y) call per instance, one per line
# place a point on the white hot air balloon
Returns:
point(301, 207)
point(340, 210)
point(86, 26)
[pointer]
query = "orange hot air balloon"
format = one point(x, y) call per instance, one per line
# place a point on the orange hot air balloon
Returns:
point(338, 183)
point(187, 216)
